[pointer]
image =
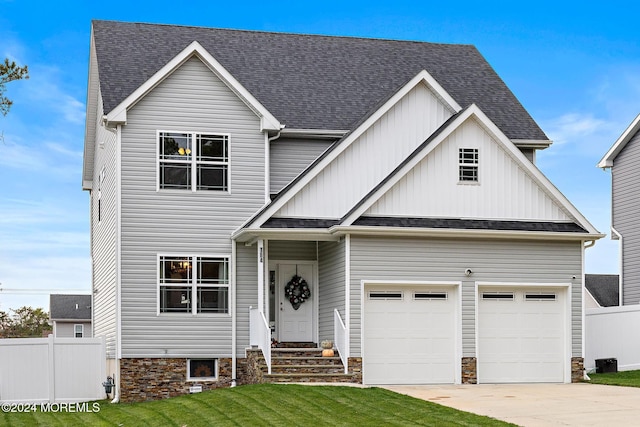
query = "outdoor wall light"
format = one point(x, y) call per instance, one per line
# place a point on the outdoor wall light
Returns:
point(468, 272)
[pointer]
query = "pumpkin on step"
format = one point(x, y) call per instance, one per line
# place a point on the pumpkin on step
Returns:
point(327, 352)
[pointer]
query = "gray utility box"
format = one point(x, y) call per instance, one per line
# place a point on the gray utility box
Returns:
point(606, 365)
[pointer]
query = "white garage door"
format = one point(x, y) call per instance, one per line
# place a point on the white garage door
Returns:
point(522, 335)
point(409, 335)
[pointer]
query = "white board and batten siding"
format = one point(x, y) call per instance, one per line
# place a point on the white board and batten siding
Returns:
point(625, 207)
point(104, 234)
point(504, 189)
point(182, 222)
point(370, 158)
point(289, 156)
point(433, 260)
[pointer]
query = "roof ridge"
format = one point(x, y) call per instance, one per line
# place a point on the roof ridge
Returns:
point(288, 33)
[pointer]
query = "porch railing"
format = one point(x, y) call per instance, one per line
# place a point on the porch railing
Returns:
point(340, 338)
point(260, 334)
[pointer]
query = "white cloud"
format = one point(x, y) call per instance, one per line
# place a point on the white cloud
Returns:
point(573, 127)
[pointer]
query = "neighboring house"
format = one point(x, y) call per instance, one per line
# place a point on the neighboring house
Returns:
point(70, 315)
point(242, 179)
point(602, 290)
point(622, 158)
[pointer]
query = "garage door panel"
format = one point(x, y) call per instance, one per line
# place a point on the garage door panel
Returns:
point(523, 339)
point(409, 340)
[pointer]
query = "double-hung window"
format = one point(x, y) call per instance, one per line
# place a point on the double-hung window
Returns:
point(194, 284)
point(468, 164)
point(193, 161)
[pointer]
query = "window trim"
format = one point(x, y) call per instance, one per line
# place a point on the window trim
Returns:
point(474, 164)
point(75, 332)
point(193, 284)
point(216, 367)
point(193, 135)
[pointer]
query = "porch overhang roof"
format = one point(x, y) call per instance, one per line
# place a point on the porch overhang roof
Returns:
point(328, 230)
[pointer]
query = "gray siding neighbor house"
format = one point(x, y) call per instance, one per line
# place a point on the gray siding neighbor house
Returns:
point(255, 194)
point(70, 315)
point(622, 158)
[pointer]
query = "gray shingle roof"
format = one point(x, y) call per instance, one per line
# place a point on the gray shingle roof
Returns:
point(63, 307)
point(451, 223)
point(604, 288)
point(310, 81)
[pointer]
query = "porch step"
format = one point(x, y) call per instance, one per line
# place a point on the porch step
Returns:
point(307, 364)
point(308, 378)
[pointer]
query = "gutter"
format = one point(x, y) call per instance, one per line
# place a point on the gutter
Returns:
point(618, 236)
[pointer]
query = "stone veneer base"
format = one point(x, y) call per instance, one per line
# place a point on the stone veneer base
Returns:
point(160, 378)
point(577, 369)
point(469, 370)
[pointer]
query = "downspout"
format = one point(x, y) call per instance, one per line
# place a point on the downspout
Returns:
point(116, 397)
point(267, 165)
point(234, 332)
point(618, 236)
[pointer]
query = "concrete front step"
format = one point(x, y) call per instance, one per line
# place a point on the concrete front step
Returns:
point(287, 360)
point(298, 352)
point(306, 369)
point(308, 378)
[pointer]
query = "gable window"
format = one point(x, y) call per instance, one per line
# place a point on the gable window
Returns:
point(78, 331)
point(468, 164)
point(193, 161)
point(193, 284)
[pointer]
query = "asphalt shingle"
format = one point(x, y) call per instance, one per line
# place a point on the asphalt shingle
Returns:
point(310, 81)
point(71, 307)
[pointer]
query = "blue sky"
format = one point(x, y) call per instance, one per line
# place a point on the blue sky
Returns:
point(575, 66)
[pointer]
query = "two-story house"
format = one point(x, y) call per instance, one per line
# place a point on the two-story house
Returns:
point(622, 159)
point(252, 187)
point(70, 315)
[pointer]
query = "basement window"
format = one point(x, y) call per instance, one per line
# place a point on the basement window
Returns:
point(429, 296)
point(202, 369)
point(497, 296)
point(468, 165)
point(532, 296)
point(385, 295)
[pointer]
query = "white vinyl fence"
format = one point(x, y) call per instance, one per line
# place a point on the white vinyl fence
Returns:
point(613, 332)
point(56, 370)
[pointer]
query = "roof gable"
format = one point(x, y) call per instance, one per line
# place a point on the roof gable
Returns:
point(421, 95)
point(307, 81)
point(621, 142)
point(376, 198)
point(119, 113)
point(604, 288)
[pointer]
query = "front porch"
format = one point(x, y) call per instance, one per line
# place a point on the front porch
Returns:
point(302, 301)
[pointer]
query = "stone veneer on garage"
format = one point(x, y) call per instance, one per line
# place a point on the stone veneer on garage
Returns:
point(577, 369)
point(469, 370)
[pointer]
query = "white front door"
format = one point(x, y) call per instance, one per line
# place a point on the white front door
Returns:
point(295, 325)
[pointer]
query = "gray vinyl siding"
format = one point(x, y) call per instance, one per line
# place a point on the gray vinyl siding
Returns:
point(67, 329)
point(246, 292)
point(289, 157)
point(625, 175)
point(292, 250)
point(181, 222)
point(491, 261)
point(331, 289)
point(103, 238)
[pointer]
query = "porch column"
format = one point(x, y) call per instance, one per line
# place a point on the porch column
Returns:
point(261, 275)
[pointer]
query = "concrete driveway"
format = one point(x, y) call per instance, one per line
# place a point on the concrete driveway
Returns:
point(538, 404)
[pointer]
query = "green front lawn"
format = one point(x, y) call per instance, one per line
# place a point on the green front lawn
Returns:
point(626, 378)
point(266, 405)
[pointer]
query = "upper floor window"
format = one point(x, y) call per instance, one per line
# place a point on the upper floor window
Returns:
point(78, 331)
point(468, 164)
point(193, 284)
point(193, 161)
